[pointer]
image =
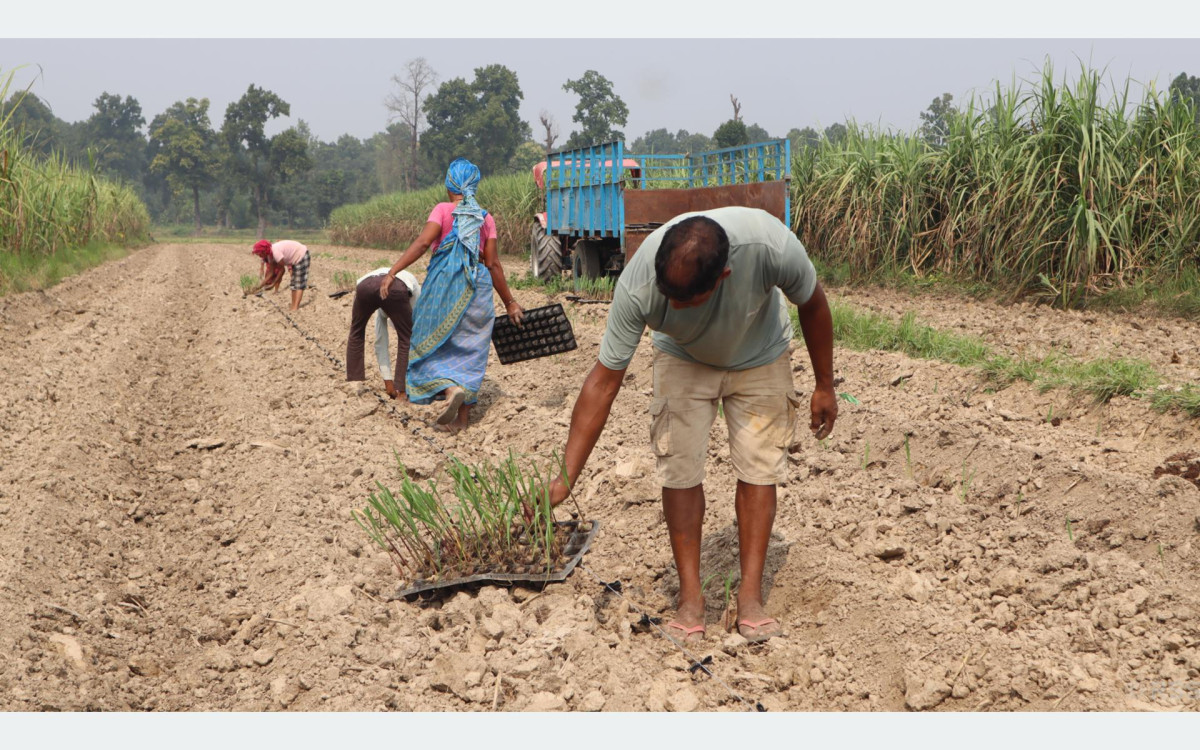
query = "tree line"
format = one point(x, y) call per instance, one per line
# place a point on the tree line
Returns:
point(188, 170)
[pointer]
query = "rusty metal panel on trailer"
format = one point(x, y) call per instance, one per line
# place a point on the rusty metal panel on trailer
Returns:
point(755, 175)
point(646, 210)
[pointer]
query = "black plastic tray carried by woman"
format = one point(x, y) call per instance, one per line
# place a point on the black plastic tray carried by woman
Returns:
point(545, 331)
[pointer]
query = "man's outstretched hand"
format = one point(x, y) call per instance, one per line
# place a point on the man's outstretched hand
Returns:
point(824, 413)
point(558, 492)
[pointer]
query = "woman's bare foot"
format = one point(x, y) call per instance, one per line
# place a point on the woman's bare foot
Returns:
point(455, 397)
point(464, 416)
point(460, 422)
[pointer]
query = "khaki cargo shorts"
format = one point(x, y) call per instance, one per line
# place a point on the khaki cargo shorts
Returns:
point(760, 406)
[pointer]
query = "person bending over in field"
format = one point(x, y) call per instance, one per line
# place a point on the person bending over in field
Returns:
point(711, 285)
point(278, 256)
point(396, 306)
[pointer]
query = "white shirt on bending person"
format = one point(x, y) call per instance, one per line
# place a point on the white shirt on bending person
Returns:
point(382, 357)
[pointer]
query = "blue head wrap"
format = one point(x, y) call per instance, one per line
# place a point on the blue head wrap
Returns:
point(462, 178)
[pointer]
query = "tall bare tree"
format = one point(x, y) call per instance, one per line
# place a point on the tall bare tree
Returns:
point(551, 129)
point(406, 106)
point(737, 108)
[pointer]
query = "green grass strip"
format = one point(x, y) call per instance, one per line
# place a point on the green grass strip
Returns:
point(1101, 378)
point(867, 331)
point(26, 271)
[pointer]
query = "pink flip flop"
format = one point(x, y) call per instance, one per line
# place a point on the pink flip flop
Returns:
point(757, 637)
point(687, 632)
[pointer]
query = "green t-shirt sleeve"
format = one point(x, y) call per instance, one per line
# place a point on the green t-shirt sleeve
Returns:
point(794, 273)
point(623, 330)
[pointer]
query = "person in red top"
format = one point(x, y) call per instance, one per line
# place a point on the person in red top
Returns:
point(277, 256)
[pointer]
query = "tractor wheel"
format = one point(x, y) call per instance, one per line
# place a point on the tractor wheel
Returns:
point(586, 261)
point(545, 255)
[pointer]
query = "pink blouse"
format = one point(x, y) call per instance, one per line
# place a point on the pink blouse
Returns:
point(288, 252)
point(443, 213)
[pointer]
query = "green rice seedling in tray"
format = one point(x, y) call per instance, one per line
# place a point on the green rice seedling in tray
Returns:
point(497, 524)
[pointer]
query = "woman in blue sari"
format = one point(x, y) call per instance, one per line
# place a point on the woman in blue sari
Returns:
point(452, 320)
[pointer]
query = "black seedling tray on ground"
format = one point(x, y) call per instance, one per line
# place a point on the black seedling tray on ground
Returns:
point(545, 331)
point(577, 544)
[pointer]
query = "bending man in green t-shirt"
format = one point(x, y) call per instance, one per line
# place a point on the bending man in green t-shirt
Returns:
point(711, 285)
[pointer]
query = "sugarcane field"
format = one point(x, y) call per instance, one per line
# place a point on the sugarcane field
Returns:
point(845, 419)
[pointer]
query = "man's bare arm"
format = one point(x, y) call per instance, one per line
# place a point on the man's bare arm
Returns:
point(587, 422)
point(816, 321)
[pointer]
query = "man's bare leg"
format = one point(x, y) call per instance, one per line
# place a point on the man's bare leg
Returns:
point(296, 295)
point(755, 507)
point(684, 511)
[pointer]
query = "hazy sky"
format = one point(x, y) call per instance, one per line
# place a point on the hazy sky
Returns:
point(338, 85)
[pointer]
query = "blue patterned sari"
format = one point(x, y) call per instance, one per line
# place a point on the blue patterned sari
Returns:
point(452, 321)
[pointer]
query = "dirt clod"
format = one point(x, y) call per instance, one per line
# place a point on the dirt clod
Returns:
point(1185, 465)
point(922, 695)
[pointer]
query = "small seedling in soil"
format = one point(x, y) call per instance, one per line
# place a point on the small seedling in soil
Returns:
point(824, 443)
point(907, 457)
point(848, 398)
point(964, 484)
point(1070, 531)
point(500, 521)
point(866, 455)
point(247, 283)
point(730, 612)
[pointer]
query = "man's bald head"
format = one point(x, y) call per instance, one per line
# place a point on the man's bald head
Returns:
point(691, 258)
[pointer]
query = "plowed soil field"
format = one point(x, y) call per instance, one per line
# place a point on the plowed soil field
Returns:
point(178, 465)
